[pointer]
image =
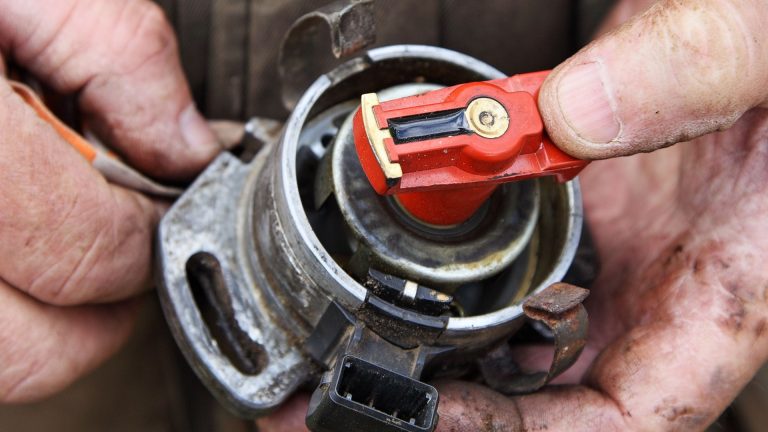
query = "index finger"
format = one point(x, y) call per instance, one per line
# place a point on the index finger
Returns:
point(121, 56)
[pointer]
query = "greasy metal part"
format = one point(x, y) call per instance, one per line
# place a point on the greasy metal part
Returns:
point(560, 211)
point(302, 57)
point(323, 129)
point(408, 294)
point(205, 219)
point(560, 309)
point(288, 294)
point(556, 239)
point(487, 117)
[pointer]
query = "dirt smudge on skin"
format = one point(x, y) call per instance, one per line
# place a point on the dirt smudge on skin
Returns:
point(673, 256)
point(720, 382)
point(708, 260)
point(673, 413)
point(730, 294)
point(680, 414)
point(724, 264)
point(697, 266)
point(735, 313)
point(490, 424)
point(760, 328)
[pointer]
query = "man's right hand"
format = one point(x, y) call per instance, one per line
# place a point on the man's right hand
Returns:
point(679, 313)
point(74, 250)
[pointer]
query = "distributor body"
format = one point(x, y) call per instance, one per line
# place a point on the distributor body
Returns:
point(290, 268)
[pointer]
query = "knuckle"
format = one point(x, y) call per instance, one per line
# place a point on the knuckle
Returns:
point(149, 36)
point(81, 244)
point(154, 25)
point(711, 46)
point(63, 283)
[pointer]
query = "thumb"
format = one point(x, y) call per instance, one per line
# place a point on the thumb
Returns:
point(680, 70)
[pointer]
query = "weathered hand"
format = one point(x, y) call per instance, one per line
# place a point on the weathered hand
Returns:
point(73, 248)
point(679, 314)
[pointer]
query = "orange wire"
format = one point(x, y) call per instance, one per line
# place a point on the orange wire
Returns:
point(73, 138)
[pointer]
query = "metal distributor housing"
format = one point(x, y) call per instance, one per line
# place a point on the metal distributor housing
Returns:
point(279, 269)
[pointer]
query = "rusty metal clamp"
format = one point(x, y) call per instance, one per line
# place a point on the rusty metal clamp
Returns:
point(559, 307)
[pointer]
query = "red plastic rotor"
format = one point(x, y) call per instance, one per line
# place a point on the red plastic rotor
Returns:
point(474, 137)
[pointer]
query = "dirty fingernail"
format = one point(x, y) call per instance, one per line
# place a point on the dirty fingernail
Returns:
point(586, 104)
point(195, 131)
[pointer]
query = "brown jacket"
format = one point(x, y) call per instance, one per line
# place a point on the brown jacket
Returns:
point(229, 47)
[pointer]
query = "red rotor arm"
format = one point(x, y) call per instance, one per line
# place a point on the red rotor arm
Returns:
point(444, 152)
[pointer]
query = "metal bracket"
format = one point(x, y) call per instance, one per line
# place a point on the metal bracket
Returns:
point(303, 54)
point(559, 307)
point(262, 367)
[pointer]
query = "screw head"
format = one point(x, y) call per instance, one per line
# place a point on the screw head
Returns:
point(487, 117)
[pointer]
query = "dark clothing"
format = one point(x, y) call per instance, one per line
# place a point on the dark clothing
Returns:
point(229, 47)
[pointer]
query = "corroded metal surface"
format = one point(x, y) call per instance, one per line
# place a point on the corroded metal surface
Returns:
point(555, 300)
point(350, 26)
point(253, 217)
point(559, 307)
point(205, 219)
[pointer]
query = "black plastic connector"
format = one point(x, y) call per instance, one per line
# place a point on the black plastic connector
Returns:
point(362, 396)
point(423, 299)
